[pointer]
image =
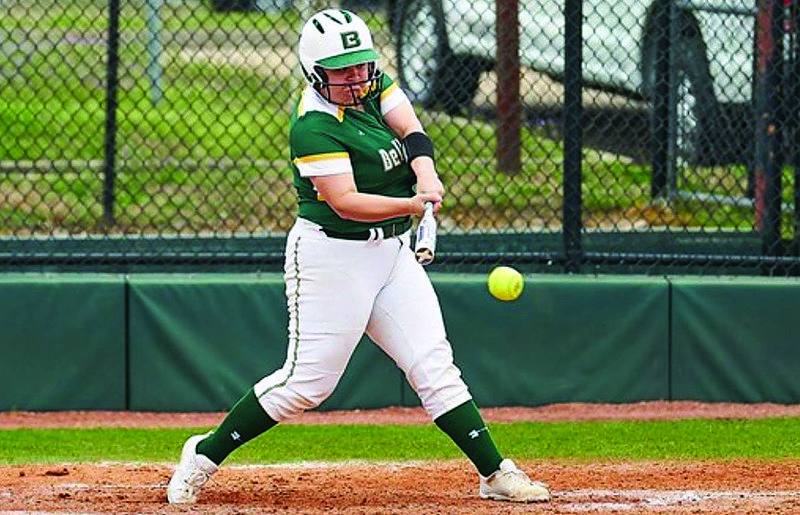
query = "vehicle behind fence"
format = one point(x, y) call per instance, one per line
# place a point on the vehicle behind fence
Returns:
point(594, 136)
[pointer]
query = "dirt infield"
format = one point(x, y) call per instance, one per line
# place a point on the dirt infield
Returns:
point(448, 487)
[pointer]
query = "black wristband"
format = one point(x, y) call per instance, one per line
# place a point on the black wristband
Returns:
point(418, 144)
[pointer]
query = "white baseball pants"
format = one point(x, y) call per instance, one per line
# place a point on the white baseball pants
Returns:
point(336, 291)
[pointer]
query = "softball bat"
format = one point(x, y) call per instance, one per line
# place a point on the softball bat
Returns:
point(425, 247)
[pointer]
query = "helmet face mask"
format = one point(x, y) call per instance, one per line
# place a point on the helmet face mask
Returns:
point(335, 39)
point(348, 93)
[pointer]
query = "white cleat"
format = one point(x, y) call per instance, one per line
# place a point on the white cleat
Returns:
point(192, 472)
point(511, 484)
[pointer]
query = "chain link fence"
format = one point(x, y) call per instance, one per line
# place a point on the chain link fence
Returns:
point(580, 136)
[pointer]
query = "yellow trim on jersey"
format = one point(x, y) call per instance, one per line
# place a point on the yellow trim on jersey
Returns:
point(315, 165)
point(388, 91)
point(301, 106)
point(321, 157)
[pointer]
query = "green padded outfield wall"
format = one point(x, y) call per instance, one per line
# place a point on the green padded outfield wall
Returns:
point(197, 342)
point(736, 339)
point(62, 342)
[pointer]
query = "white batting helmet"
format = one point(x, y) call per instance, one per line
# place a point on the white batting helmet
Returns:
point(333, 39)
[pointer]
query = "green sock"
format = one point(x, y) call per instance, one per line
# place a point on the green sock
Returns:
point(246, 420)
point(464, 425)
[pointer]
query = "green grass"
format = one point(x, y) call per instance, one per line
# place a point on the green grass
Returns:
point(684, 439)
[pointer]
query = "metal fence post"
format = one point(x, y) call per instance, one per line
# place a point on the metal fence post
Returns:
point(793, 119)
point(769, 129)
point(509, 105)
point(660, 105)
point(112, 81)
point(573, 133)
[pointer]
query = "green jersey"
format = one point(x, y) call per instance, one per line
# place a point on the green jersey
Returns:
point(328, 139)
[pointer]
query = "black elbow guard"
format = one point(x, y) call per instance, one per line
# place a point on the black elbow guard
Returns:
point(418, 144)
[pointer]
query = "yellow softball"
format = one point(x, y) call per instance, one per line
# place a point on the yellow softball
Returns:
point(506, 283)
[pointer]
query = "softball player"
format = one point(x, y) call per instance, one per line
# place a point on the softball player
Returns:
point(362, 168)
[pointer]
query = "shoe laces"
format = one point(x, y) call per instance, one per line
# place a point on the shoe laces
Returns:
point(518, 479)
point(196, 477)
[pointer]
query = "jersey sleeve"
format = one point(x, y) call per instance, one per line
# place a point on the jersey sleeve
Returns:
point(314, 151)
point(391, 94)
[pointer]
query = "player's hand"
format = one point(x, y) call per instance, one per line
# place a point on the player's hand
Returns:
point(418, 201)
point(428, 182)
